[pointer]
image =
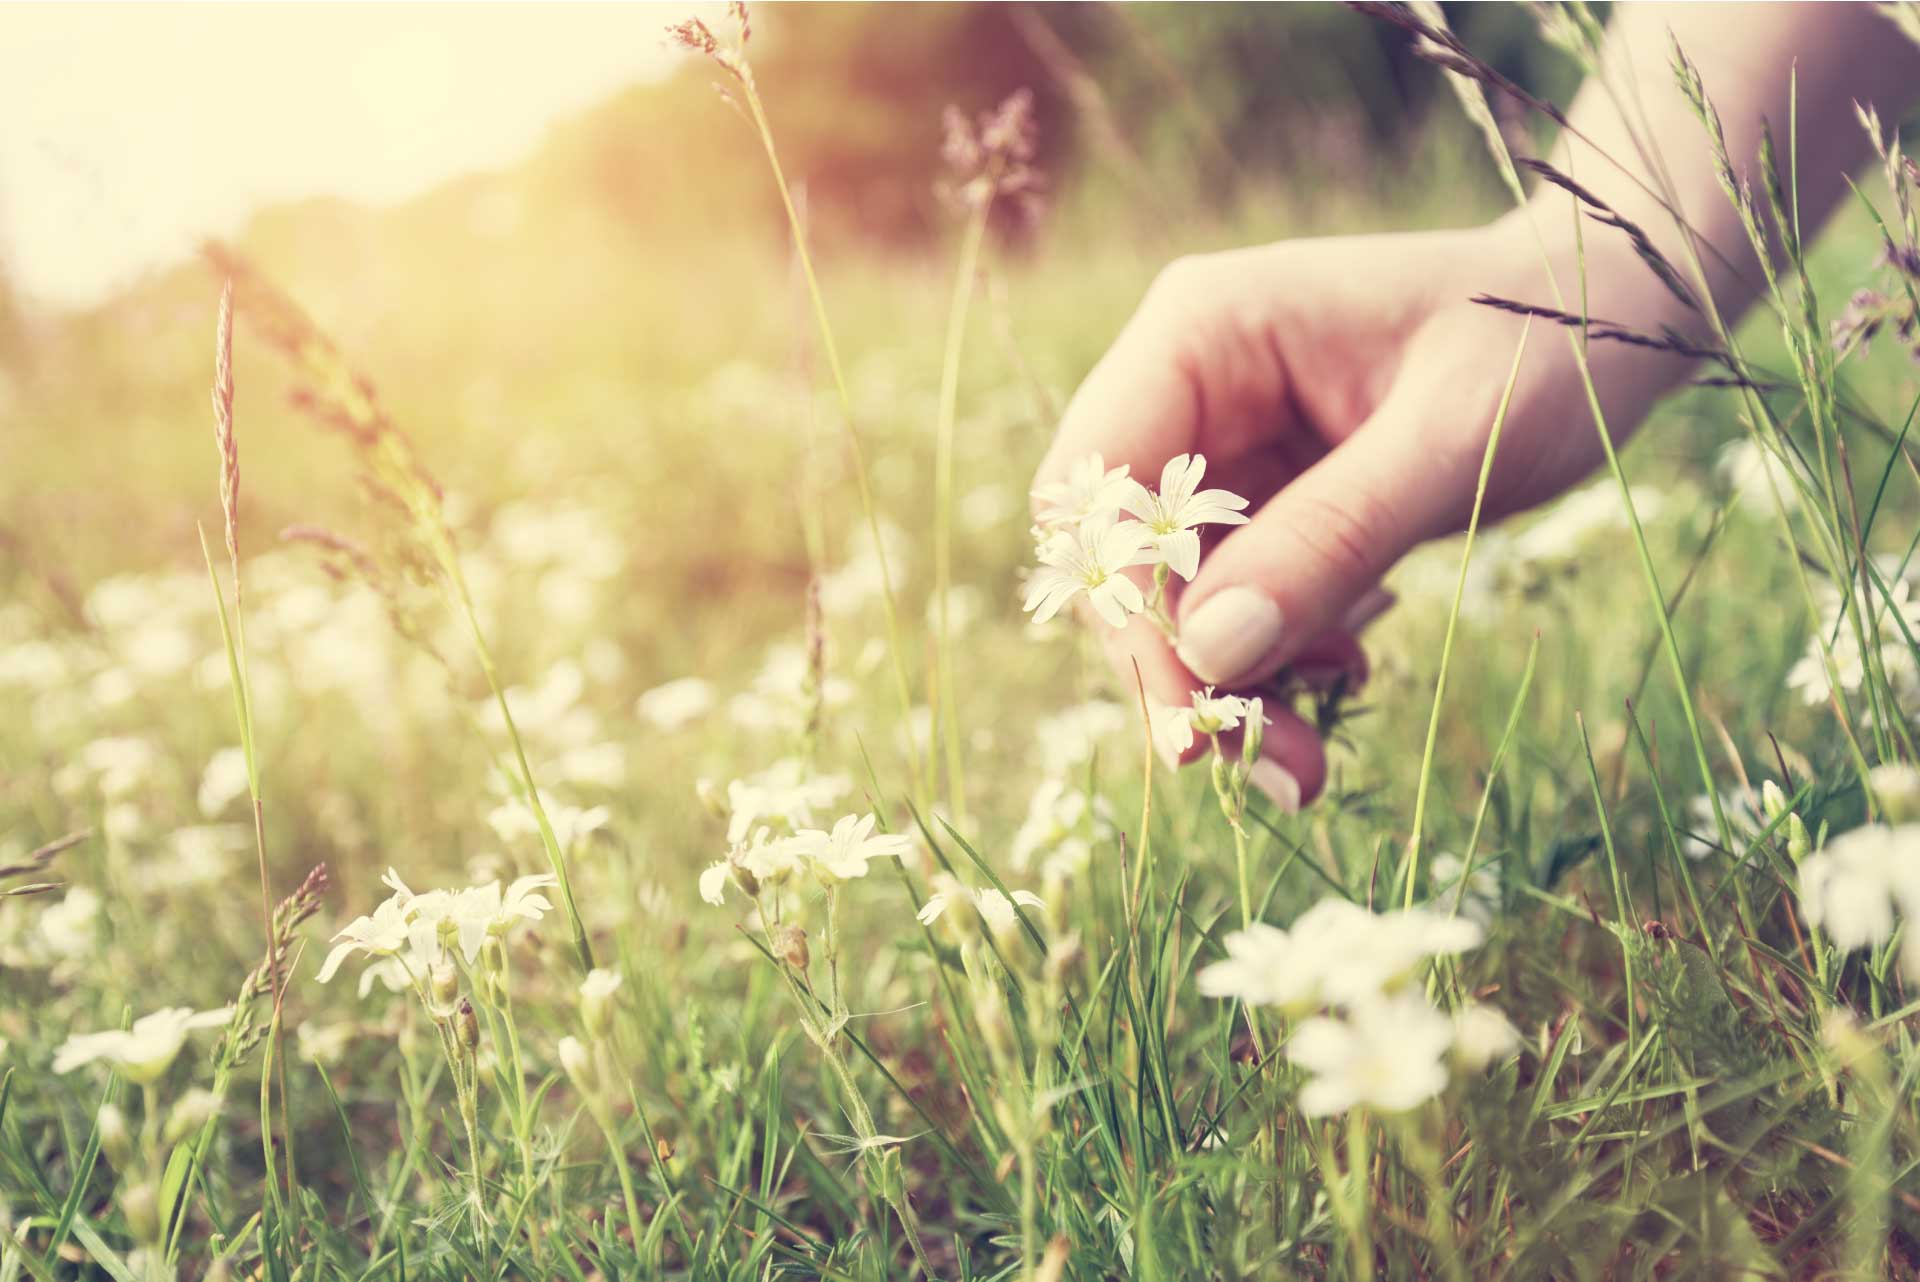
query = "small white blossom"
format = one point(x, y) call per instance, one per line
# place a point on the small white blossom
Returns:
point(1089, 490)
point(1385, 1055)
point(1849, 888)
point(1090, 559)
point(1172, 516)
point(842, 854)
point(141, 1053)
point(381, 934)
point(783, 791)
point(223, 782)
point(713, 882)
point(1061, 824)
point(675, 705)
point(996, 908)
point(1336, 953)
point(1070, 737)
point(1482, 1036)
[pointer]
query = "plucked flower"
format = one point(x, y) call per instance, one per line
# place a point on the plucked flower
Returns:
point(842, 854)
point(1091, 489)
point(1208, 714)
point(143, 1052)
point(1384, 1055)
point(1090, 559)
point(1173, 515)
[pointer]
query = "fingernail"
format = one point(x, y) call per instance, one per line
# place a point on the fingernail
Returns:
point(1274, 779)
point(1228, 634)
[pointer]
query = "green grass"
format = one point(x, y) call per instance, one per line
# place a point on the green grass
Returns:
point(622, 489)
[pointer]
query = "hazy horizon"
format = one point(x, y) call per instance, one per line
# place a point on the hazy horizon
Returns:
point(138, 131)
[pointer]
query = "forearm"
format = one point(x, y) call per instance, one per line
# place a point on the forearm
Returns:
point(1762, 63)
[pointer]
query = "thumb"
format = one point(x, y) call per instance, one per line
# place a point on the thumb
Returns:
point(1317, 547)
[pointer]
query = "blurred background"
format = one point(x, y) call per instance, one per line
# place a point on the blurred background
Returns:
point(557, 255)
point(540, 219)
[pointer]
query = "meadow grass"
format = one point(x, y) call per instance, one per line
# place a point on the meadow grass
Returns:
point(991, 1055)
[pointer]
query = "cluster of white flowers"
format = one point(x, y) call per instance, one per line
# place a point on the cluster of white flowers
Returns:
point(1061, 828)
point(413, 933)
point(1852, 887)
point(773, 841)
point(1378, 1042)
point(1888, 623)
point(1086, 543)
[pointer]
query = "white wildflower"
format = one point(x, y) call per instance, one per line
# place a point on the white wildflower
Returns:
point(1070, 737)
point(1091, 560)
point(1173, 515)
point(676, 705)
point(223, 782)
point(1482, 1036)
point(842, 854)
point(783, 791)
point(145, 1051)
point(995, 907)
point(1384, 1055)
point(1089, 490)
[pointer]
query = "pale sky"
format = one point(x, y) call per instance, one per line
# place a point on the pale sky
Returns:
point(132, 132)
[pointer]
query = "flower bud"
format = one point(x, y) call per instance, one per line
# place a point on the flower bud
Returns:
point(1897, 788)
point(140, 1204)
point(1799, 845)
point(790, 946)
point(990, 1012)
point(1773, 802)
point(577, 1060)
point(744, 878)
point(191, 1112)
point(466, 1024)
point(1252, 730)
point(596, 1000)
point(116, 1141)
point(444, 981)
point(709, 794)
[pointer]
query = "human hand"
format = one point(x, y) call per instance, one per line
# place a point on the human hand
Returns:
point(1347, 387)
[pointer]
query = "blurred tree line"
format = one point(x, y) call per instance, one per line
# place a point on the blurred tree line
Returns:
point(1182, 105)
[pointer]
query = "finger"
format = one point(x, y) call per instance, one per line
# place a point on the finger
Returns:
point(1316, 549)
point(1185, 375)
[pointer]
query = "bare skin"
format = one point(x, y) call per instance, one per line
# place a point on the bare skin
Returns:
point(1347, 386)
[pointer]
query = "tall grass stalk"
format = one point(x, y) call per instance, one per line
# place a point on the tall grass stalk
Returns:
point(735, 63)
point(1412, 862)
point(965, 273)
point(233, 638)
